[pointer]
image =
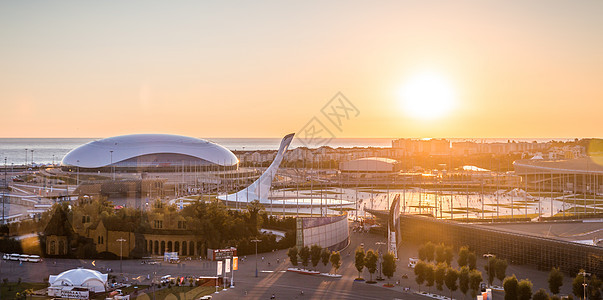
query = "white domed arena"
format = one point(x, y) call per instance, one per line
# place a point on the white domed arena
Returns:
point(149, 153)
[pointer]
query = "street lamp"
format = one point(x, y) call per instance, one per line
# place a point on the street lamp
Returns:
point(77, 179)
point(380, 260)
point(584, 284)
point(112, 170)
point(121, 243)
point(256, 241)
point(489, 255)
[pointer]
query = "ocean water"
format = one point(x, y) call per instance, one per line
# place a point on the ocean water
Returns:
point(52, 150)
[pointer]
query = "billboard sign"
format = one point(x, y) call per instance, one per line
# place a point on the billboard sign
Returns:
point(221, 254)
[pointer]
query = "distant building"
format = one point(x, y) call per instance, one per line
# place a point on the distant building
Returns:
point(423, 146)
point(370, 165)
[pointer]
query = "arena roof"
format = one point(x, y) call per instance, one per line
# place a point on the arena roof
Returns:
point(369, 164)
point(583, 165)
point(108, 151)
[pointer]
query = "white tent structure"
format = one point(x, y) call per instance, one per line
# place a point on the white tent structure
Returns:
point(95, 281)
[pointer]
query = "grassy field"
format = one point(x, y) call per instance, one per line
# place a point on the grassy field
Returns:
point(10, 290)
point(178, 292)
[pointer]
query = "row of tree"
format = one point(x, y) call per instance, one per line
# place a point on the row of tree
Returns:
point(522, 290)
point(314, 254)
point(370, 259)
point(465, 279)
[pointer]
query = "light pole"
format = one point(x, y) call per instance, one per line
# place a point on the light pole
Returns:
point(32, 161)
point(380, 260)
point(111, 151)
point(256, 241)
point(489, 255)
point(4, 189)
point(77, 178)
point(121, 243)
point(584, 284)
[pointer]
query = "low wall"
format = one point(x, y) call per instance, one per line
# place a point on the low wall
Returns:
point(327, 232)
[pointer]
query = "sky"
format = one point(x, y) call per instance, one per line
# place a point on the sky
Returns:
point(518, 69)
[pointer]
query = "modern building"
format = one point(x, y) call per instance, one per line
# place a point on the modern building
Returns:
point(150, 152)
point(581, 175)
point(370, 165)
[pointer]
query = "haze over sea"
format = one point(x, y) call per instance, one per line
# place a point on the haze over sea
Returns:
point(49, 150)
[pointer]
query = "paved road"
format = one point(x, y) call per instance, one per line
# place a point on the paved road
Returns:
point(272, 278)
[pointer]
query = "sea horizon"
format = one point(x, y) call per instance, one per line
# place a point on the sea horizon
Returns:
point(52, 150)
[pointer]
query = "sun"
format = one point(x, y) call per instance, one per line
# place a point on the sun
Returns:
point(427, 96)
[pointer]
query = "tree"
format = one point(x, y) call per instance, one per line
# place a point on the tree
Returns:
point(325, 256)
point(464, 280)
point(429, 251)
point(472, 260)
point(475, 278)
point(304, 255)
point(510, 285)
point(462, 260)
point(491, 269)
point(524, 290)
point(359, 260)
point(594, 288)
point(315, 252)
point(440, 253)
point(370, 261)
point(555, 280)
point(335, 260)
point(448, 255)
point(422, 253)
point(541, 294)
point(577, 287)
point(452, 276)
point(292, 253)
point(420, 272)
point(389, 265)
point(429, 271)
point(439, 275)
point(501, 269)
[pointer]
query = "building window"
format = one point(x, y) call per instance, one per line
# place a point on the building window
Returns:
point(158, 224)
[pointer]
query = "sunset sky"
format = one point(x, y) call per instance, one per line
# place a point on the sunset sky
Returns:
point(266, 68)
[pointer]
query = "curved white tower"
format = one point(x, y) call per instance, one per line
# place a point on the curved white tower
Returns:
point(260, 188)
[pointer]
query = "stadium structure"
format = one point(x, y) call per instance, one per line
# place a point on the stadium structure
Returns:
point(150, 152)
point(579, 175)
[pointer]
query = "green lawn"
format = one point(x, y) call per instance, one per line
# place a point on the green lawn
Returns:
point(181, 292)
point(10, 290)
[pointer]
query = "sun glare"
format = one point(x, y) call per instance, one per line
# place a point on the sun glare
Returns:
point(427, 96)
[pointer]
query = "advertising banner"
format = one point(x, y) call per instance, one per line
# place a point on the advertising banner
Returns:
point(227, 266)
point(235, 263)
point(219, 272)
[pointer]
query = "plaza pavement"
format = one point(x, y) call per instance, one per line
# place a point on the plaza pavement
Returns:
point(272, 276)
